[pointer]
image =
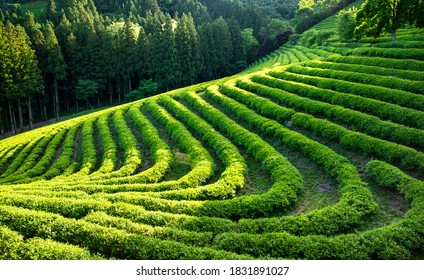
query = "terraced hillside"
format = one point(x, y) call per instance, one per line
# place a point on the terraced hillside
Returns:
point(318, 155)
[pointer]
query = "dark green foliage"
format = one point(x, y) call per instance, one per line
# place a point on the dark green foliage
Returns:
point(376, 15)
point(313, 37)
point(146, 88)
point(85, 89)
point(346, 24)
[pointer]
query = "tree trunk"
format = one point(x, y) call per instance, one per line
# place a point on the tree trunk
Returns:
point(56, 99)
point(44, 111)
point(109, 88)
point(129, 84)
point(30, 119)
point(67, 102)
point(89, 104)
point(76, 104)
point(12, 123)
point(98, 101)
point(393, 35)
point(21, 117)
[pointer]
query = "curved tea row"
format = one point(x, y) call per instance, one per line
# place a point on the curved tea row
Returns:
point(215, 175)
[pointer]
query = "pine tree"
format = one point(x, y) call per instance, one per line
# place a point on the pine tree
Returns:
point(128, 41)
point(223, 46)
point(20, 76)
point(238, 53)
point(55, 64)
point(188, 47)
point(141, 54)
point(209, 54)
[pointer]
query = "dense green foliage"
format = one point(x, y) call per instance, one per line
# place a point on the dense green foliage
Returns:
point(313, 152)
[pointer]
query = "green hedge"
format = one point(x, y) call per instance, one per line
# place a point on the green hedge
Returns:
point(369, 79)
point(355, 200)
point(405, 64)
point(398, 240)
point(109, 242)
point(415, 78)
point(381, 109)
point(14, 247)
point(315, 77)
point(287, 179)
point(363, 122)
point(199, 158)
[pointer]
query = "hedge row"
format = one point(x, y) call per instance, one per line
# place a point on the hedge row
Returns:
point(162, 156)
point(262, 105)
point(292, 57)
point(369, 124)
point(355, 202)
point(109, 242)
point(191, 238)
point(79, 208)
point(109, 147)
point(414, 77)
point(397, 154)
point(199, 158)
point(401, 44)
point(33, 158)
point(317, 77)
point(381, 109)
point(287, 179)
point(66, 156)
point(128, 142)
point(14, 247)
point(315, 51)
point(44, 161)
point(398, 240)
point(405, 64)
point(20, 158)
point(89, 154)
point(411, 53)
point(9, 153)
point(368, 79)
point(235, 167)
point(300, 55)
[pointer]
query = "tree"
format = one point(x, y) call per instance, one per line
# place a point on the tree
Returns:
point(55, 64)
point(250, 44)
point(86, 89)
point(375, 16)
point(238, 55)
point(223, 46)
point(20, 76)
point(188, 48)
point(346, 24)
point(145, 89)
point(128, 41)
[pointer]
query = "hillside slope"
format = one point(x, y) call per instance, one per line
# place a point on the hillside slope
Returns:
point(312, 153)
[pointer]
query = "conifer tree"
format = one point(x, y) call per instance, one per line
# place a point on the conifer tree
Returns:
point(55, 64)
point(238, 54)
point(223, 46)
point(20, 76)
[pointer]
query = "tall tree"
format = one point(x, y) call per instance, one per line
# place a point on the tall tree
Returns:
point(375, 16)
point(188, 47)
point(207, 45)
point(128, 42)
point(223, 46)
point(236, 41)
point(55, 64)
point(20, 76)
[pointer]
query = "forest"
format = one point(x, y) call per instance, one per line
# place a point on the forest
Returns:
point(79, 55)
